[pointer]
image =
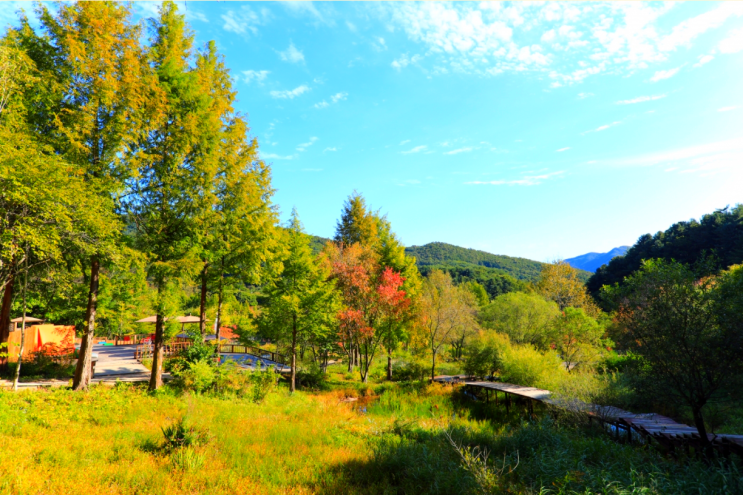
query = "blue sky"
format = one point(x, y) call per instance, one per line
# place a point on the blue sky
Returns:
point(541, 130)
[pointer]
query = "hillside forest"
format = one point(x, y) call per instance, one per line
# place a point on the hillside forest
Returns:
point(130, 187)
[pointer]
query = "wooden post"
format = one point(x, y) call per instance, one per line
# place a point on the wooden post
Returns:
point(496, 397)
point(487, 396)
point(507, 400)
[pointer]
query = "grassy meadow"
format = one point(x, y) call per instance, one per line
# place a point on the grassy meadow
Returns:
point(391, 439)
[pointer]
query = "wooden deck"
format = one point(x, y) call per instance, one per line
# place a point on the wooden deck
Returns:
point(665, 431)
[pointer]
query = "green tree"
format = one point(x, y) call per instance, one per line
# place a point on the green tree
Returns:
point(91, 62)
point(160, 203)
point(444, 310)
point(561, 283)
point(525, 317)
point(357, 223)
point(302, 302)
point(686, 332)
point(578, 338)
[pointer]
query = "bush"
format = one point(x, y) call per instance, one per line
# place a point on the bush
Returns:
point(311, 377)
point(178, 434)
point(405, 371)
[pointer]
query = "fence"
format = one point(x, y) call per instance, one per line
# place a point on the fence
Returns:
point(144, 351)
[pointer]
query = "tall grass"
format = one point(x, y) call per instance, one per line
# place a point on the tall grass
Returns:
point(391, 440)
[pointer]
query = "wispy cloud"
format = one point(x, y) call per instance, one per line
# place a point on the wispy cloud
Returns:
point(706, 159)
point(304, 146)
point(255, 75)
point(733, 43)
point(640, 99)
point(562, 149)
point(244, 21)
point(583, 96)
point(292, 54)
point(466, 149)
point(703, 59)
point(405, 141)
point(290, 94)
point(603, 127)
point(404, 60)
point(333, 99)
point(274, 156)
point(726, 109)
point(664, 74)
point(568, 41)
point(417, 149)
point(330, 149)
point(529, 180)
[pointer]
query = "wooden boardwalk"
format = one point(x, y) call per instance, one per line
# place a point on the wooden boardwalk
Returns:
point(665, 431)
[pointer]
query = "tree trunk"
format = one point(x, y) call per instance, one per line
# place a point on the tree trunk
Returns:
point(389, 364)
point(23, 328)
point(156, 376)
point(219, 313)
point(702, 429)
point(83, 370)
point(5, 316)
point(202, 312)
point(433, 365)
point(294, 353)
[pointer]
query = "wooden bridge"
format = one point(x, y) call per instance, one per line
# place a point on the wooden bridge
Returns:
point(171, 349)
point(650, 427)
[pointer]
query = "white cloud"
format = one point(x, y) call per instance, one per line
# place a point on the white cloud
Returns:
point(706, 159)
point(255, 75)
point(640, 99)
point(244, 21)
point(704, 59)
point(583, 96)
point(406, 141)
point(726, 109)
point(417, 149)
point(292, 54)
point(562, 149)
point(459, 150)
point(274, 156)
point(304, 8)
point(333, 99)
point(733, 43)
point(529, 180)
point(404, 61)
point(664, 74)
point(330, 149)
point(568, 42)
point(290, 94)
point(603, 127)
point(304, 146)
point(351, 26)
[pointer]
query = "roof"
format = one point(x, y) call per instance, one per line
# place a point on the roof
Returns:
point(179, 319)
point(29, 319)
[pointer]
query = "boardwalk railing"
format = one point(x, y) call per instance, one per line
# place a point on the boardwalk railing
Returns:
point(144, 351)
point(255, 351)
point(665, 431)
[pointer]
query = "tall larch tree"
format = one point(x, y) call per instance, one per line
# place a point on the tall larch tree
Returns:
point(90, 57)
point(160, 202)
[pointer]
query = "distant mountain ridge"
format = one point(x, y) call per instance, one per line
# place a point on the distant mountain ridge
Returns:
point(499, 273)
point(591, 262)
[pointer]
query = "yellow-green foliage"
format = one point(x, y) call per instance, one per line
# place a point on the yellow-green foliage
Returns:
point(524, 365)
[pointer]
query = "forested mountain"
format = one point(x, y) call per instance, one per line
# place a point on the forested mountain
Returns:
point(718, 234)
point(590, 262)
point(317, 243)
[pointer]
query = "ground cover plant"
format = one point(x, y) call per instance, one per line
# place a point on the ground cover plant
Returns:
point(394, 438)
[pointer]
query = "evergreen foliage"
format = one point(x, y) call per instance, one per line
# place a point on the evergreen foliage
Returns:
point(718, 234)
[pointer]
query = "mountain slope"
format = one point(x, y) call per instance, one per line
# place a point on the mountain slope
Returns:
point(591, 261)
point(440, 253)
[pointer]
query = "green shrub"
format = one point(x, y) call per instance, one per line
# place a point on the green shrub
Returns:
point(404, 371)
point(311, 377)
point(262, 383)
point(187, 459)
point(199, 377)
point(178, 434)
